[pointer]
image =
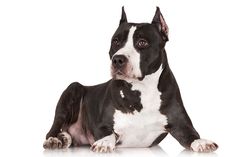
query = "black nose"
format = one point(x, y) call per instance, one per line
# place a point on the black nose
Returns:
point(119, 61)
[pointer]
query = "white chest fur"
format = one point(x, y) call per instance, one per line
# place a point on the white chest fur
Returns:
point(140, 129)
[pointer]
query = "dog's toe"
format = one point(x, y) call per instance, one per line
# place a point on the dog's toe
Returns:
point(202, 145)
point(103, 147)
point(65, 138)
point(52, 143)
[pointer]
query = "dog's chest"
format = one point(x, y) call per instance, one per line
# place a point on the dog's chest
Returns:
point(140, 129)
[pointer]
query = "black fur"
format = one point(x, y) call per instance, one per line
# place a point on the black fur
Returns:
point(67, 109)
point(179, 123)
point(97, 107)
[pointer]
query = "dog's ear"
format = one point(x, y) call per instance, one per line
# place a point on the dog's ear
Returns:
point(159, 21)
point(123, 17)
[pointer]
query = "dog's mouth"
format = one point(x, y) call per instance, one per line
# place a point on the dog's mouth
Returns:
point(122, 74)
point(117, 74)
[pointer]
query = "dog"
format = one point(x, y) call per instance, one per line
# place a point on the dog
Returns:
point(138, 107)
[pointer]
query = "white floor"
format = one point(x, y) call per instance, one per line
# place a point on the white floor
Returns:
point(84, 151)
point(45, 45)
point(32, 147)
point(123, 152)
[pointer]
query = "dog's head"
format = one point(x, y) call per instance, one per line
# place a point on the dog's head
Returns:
point(136, 48)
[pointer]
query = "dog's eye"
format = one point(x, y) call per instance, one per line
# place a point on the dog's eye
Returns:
point(142, 43)
point(115, 42)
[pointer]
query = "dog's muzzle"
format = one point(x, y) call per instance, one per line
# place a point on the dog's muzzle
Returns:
point(119, 66)
point(119, 62)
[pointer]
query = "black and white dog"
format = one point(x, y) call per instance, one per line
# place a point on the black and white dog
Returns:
point(138, 107)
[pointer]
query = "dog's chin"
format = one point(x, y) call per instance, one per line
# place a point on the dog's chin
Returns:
point(119, 75)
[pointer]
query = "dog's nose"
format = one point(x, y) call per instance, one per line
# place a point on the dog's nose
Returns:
point(119, 61)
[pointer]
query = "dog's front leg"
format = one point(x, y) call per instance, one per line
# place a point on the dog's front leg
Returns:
point(187, 136)
point(181, 128)
point(179, 123)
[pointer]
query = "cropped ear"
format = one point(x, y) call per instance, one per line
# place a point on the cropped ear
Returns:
point(123, 17)
point(159, 21)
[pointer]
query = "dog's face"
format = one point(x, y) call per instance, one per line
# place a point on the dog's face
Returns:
point(136, 48)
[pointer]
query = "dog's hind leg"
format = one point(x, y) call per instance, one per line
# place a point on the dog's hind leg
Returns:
point(66, 114)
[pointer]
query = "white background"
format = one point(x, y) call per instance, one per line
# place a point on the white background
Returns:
point(45, 45)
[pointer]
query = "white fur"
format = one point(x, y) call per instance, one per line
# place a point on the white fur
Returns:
point(104, 145)
point(202, 145)
point(133, 56)
point(121, 93)
point(140, 129)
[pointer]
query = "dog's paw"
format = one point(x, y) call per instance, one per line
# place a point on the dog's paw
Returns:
point(104, 145)
point(52, 143)
point(202, 145)
point(65, 138)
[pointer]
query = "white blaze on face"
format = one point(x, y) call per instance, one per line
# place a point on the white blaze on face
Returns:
point(132, 55)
